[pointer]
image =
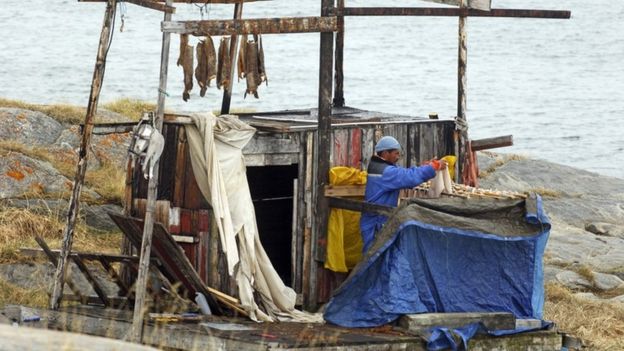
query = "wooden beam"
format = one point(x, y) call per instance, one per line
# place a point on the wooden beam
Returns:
point(452, 12)
point(252, 26)
point(345, 190)
point(492, 143)
point(339, 100)
point(136, 333)
point(462, 81)
point(91, 279)
point(360, 206)
point(32, 252)
point(85, 143)
point(153, 5)
point(227, 90)
point(53, 258)
point(323, 148)
point(484, 5)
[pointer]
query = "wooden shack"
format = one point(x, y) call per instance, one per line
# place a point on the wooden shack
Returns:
point(281, 165)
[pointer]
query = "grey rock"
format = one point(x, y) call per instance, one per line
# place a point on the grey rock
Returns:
point(21, 174)
point(573, 280)
point(608, 229)
point(41, 275)
point(107, 116)
point(587, 296)
point(112, 148)
point(97, 216)
point(617, 299)
point(604, 281)
point(550, 273)
point(580, 197)
point(28, 127)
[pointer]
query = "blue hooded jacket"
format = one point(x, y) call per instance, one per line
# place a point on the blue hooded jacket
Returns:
point(383, 183)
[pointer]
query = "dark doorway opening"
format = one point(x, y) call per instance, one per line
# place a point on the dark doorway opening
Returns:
point(272, 194)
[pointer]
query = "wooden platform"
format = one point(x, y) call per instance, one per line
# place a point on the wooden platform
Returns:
point(219, 333)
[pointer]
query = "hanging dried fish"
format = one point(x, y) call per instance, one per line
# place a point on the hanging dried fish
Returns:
point(187, 66)
point(183, 44)
point(206, 64)
point(211, 57)
point(201, 70)
point(261, 69)
point(251, 68)
point(224, 64)
point(241, 57)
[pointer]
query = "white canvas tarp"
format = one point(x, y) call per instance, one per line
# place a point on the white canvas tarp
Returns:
point(216, 155)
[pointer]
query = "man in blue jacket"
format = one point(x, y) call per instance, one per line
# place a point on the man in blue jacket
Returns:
point(385, 180)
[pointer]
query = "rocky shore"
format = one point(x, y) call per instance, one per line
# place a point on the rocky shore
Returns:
point(585, 251)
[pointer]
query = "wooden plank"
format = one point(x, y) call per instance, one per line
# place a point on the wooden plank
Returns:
point(253, 26)
point(153, 5)
point(90, 256)
point(272, 144)
point(85, 142)
point(340, 150)
point(368, 144)
point(339, 100)
point(307, 237)
point(227, 90)
point(345, 190)
point(491, 320)
point(454, 12)
point(54, 259)
point(462, 78)
point(321, 206)
point(293, 233)
point(91, 279)
point(152, 193)
point(492, 143)
point(360, 206)
point(355, 148)
point(484, 5)
point(180, 169)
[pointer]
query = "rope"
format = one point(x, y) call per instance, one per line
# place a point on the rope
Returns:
point(205, 7)
point(461, 125)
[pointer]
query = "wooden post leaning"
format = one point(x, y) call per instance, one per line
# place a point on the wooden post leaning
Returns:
point(74, 202)
point(152, 190)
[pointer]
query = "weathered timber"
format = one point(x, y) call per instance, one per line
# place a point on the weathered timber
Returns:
point(54, 259)
point(453, 12)
point(492, 143)
point(74, 202)
point(462, 77)
point(91, 279)
point(484, 5)
point(323, 147)
point(227, 90)
point(339, 100)
point(253, 26)
point(345, 190)
point(152, 193)
point(491, 320)
point(90, 256)
point(360, 206)
point(153, 5)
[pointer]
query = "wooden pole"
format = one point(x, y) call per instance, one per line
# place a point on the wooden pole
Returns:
point(152, 192)
point(323, 148)
point(339, 100)
point(227, 90)
point(462, 62)
point(74, 202)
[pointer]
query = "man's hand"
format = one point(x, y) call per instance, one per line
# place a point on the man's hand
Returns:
point(438, 164)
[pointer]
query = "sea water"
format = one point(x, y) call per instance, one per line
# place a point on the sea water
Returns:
point(556, 85)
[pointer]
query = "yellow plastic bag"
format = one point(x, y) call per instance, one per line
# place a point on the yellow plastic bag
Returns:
point(344, 241)
point(450, 160)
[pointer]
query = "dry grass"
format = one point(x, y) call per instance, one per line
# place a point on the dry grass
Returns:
point(11, 294)
point(500, 161)
point(63, 113)
point(599, 324)
point(131, 108)
point(18, 228)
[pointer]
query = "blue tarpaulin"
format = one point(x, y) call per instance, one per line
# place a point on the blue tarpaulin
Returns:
point(449, 255)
